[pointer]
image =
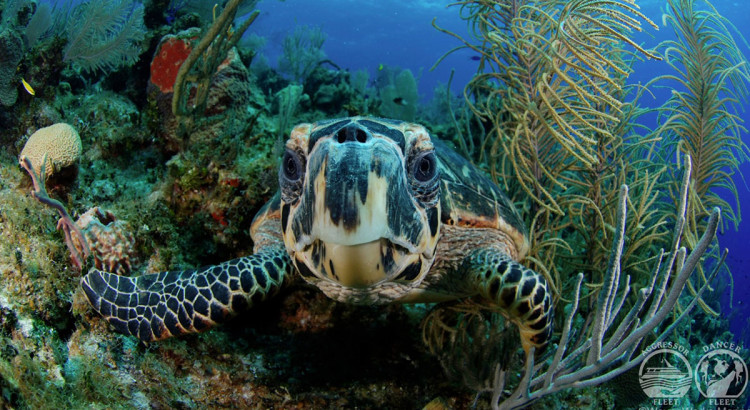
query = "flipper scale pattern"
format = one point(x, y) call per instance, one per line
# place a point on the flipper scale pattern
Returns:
point(161, 305)
point(522, 294)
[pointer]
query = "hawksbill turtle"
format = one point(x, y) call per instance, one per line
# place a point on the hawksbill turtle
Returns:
point(370, 211)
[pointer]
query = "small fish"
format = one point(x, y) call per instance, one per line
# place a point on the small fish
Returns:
point(28, 87)
point(381, 67)
point(475, 58)
point(400, 101)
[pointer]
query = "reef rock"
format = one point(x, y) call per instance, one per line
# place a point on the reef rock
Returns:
point(229, 88)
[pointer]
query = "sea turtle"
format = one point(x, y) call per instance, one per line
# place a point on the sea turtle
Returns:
point(371, 211)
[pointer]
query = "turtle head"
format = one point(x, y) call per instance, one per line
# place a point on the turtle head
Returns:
point(360, 206)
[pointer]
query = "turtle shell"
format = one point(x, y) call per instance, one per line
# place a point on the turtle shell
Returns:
point(470, 199)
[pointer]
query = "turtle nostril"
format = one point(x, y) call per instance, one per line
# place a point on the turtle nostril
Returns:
point(351, 133)
point(361, 136)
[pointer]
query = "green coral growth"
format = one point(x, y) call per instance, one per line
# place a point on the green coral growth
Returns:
point(398, 93)
point(302, 52)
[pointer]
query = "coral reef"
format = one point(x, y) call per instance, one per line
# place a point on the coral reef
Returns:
point(559, 132)
point(551, 101)
point(110, 125)
point(567, 134)
point(11, 52)
point(710, 72)
point(550, 115)
point(34, 267)
point(594, 357)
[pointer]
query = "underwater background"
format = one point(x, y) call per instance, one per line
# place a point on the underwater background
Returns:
point(154, 188)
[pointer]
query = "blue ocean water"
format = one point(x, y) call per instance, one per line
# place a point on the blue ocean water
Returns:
point(363, 35)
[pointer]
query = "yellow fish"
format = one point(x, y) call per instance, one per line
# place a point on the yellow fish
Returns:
point(28, 87)
point(380, 67)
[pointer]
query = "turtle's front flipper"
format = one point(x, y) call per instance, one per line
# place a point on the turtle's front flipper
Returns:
point(161, 305)
point(523, 295)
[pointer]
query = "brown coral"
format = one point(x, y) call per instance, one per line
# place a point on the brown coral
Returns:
point(60, 144)
point(111, 243)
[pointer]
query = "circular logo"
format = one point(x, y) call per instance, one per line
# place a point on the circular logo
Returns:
point(721, 373)
point(665, 373)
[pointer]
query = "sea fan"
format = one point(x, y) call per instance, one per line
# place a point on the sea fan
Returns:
point(104, 35)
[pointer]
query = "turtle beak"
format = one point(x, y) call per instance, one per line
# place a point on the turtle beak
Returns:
point(364, 265)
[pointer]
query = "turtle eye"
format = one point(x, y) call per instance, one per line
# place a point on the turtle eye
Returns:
point(425, 167)
point(291, 166)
